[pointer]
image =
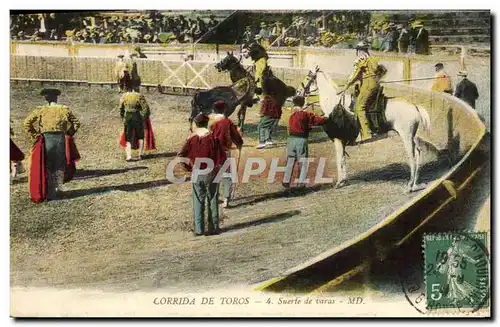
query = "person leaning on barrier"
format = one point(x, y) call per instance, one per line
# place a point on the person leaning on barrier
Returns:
point(203, 145)
point(442, 82)
point(48, 126)
point(466, 90)
point(122, 72)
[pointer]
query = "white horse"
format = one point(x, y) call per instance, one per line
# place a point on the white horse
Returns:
point(401, 116)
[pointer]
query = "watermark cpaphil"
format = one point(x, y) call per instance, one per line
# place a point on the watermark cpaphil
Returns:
point(254, 166)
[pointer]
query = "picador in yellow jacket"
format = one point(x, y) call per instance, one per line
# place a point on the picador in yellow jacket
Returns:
point(134, 110)
point(259, 57)
point(366, 69)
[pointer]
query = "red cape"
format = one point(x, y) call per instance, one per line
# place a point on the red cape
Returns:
point(38, 174)
point(149, 138)
point(37, 178)
point(72, 156)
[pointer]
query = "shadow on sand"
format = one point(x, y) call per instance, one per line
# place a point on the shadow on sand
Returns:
point(123, 188)
point(264, 220)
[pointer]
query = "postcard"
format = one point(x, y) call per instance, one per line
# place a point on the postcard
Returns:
point(250, 163)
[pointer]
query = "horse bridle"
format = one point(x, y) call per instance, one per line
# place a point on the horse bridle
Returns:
point(312, 78)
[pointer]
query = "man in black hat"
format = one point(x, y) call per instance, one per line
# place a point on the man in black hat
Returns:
point(466, 90)
point(421, 38)
point(48, 125)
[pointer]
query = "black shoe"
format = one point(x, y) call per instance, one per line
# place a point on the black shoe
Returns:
point(196, 234)
point(214, 232)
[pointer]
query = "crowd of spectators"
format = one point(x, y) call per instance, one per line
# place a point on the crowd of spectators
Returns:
point(332, 31)
point(307, 30)
point(411, 37)
point(140, 28)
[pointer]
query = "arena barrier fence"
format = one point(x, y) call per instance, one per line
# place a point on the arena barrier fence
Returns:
point(400, 66)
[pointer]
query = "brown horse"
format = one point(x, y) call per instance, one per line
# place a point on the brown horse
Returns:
point(271, 85)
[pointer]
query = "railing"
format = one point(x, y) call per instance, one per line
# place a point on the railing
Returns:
point(79, 58)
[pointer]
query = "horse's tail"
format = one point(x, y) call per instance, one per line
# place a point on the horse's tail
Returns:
point(425, 119)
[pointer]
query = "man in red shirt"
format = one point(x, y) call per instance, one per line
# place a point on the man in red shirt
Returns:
point(203, 145)
point(226, 132)
point(299, 125)
point(270, 114)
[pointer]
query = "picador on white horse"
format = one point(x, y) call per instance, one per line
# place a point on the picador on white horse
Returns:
point(368, 71)
point(374, 112)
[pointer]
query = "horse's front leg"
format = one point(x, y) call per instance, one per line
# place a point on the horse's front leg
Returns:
point(407, 137)
point(241, 117)
point(415, 186)
point(341, 164)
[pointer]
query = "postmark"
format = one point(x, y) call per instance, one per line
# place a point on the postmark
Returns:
point(454, 276)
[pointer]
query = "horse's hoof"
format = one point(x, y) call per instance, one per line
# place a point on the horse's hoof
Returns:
point(418, 187)
point(415, 187)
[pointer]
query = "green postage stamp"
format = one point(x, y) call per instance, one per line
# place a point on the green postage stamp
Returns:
point(457, 270)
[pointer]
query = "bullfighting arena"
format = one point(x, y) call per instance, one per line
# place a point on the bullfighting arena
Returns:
point(122, 226)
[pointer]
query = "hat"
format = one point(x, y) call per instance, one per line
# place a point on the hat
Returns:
point(147, 37)
point(49, 92)
point(201, 118)
point(263, 24)
point(362, 46)
point(392, 25)
point(418, 23)
point(439, 65)
point(121, 56)
point(220, 105)
point(462, 73)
